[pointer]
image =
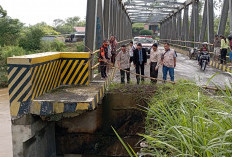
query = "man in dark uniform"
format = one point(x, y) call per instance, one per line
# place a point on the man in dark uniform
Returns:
point(140, 60)
point(103, 56)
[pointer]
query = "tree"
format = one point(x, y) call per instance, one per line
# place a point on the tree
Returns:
point(10, 31)
point(31, 38)
point(48, 30)
point(136, 28)
point(67, 26)
point(3, 13)
point(146, 32)
point(58, 22)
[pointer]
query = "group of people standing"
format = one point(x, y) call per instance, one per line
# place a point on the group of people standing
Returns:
point(221, 47)
point(135, 55)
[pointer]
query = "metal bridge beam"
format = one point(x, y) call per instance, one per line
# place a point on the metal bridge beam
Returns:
point(179, 25)
point(185, 30)
point(223, 17)
point(196, 20)
point(106, 14)
point(210, 21)
point(230, 15)
point(90, 34)
point(204, 23)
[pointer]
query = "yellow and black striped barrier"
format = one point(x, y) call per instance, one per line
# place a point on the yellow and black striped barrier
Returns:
point(225, 68)
point(96, 92)
point(31, 76)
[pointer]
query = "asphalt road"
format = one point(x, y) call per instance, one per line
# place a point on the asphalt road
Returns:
point(190, 70)
point(186, 69)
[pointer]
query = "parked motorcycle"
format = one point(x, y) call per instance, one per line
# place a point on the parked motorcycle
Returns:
point(193, 52)
point(204, 59)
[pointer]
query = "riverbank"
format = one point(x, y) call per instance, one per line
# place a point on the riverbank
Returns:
point(185, 120)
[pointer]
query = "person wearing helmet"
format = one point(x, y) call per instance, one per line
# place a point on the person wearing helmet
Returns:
point(203, 49)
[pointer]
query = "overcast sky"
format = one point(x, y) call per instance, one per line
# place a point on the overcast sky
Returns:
point(35, 11)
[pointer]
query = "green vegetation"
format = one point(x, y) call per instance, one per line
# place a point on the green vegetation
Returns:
point(17, 39)
point(136, 28)
point(66, 26)
point(184, 120)
point(145, 32)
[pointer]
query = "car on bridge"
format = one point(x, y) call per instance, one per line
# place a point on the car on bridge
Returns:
point(146, 42)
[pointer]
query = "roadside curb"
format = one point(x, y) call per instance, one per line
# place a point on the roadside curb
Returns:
point(225, 68)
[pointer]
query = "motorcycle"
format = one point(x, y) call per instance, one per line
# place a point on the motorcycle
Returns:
point(193, 52)
point(204, 59)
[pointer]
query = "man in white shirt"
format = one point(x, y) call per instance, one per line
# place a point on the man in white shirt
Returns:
point(123, 59)
point(155, 58)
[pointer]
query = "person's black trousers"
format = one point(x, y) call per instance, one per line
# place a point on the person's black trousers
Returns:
point(123, 75)
point(103, 69)
point(223, 56)
point(153, 72)
point(139, 70)
point(131, 59)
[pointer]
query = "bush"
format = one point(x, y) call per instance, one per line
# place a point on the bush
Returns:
point(146, 32)
point(9, 51)
point(48, 46)
point(31, 39)
point(80, 47)
point(183, 121)
point(57, 45)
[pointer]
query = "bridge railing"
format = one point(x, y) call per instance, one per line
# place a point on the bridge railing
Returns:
point(30, 76)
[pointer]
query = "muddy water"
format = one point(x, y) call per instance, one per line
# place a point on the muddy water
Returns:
point(5, 125)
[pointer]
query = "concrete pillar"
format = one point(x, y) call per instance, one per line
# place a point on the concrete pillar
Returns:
point(204, 23)
point(210, 21)
point(33, 137)
point(223, 17)
point(90, 35)
point(106, 14)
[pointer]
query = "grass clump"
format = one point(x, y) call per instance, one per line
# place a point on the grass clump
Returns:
point(183, 121)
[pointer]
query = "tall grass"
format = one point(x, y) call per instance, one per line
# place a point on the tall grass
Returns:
point(183, 120)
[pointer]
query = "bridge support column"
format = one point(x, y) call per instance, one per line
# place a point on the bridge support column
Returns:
point(106, 14)
point(196, 20)
point(204, 23)
point(210, 21)
point(33, 137)
point(223, 18)
point(185, 30)
point(230, 15)
point(174, 30)
point(179, 27)
point(90, 35)
point(100, 30)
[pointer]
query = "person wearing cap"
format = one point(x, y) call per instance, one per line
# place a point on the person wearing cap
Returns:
point(168, 60)
point(155, 58)
point(123, 60)
point(217, 47)
point(103, 57)
point(140, 60)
